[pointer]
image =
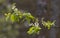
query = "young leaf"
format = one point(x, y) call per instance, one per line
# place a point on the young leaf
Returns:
point(48, 24)
point(34, 30)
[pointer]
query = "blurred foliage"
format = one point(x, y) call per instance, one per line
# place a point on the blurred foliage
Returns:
point(34, 29)
point(14, 17)
point(6, 29)
point(48, 23)
point(20, 17)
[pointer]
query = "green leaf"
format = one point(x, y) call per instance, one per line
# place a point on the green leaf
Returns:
point(31, 30)
point(12, 18)
point(34, 30)
point(8, 16)
point(48, 24)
